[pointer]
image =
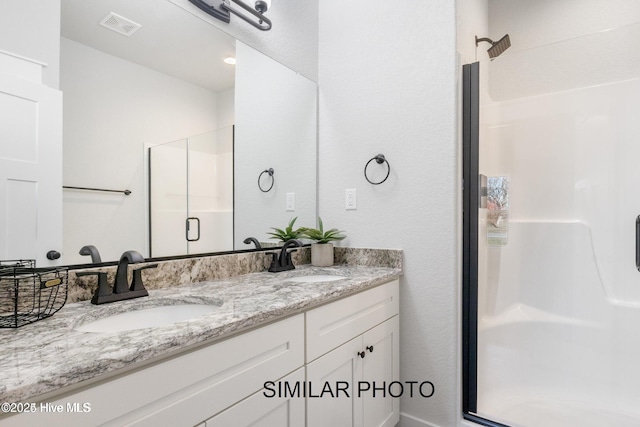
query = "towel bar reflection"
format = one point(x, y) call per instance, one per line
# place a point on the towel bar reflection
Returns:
point(125, 192)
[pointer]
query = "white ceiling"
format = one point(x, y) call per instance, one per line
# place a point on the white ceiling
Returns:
point(171, 40)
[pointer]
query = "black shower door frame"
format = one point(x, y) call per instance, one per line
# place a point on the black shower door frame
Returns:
point(470, 205)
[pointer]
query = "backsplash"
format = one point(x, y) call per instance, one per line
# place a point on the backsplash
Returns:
point(200, 269)
point(391, 258)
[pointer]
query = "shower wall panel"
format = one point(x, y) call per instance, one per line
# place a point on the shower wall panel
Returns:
point(572, 157)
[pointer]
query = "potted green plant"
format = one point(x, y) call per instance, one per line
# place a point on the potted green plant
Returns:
point(288, 233)
point(322, 249)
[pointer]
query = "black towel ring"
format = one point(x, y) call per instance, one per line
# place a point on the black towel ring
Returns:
point(380, 159)
point(270, 172)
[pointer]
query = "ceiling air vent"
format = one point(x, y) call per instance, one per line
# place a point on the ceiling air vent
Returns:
point(120, 24)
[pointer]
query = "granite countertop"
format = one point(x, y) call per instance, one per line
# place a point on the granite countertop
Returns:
point(48, 355)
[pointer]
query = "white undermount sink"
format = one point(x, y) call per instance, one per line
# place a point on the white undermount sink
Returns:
point(316, 278)
point(147, 318)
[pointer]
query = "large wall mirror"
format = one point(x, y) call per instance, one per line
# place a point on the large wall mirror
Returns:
point(162, 99)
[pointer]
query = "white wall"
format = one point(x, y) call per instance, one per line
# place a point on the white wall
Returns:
point(111, 109)
point(31, 28)
point(387, 80)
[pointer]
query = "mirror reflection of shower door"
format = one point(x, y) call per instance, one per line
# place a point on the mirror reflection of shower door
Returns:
point(210, 197)
point(191, 195)
point(168, 198)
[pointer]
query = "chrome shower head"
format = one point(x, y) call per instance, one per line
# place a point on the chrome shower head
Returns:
point(496, 48)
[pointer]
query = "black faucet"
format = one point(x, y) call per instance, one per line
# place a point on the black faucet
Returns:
point(254, 241)
point(283, 261)
point(121, 285)
point(121, 288)
point(93, 251)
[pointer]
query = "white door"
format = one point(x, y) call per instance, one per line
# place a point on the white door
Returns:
point(30, 170)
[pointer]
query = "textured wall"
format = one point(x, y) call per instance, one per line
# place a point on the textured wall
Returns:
point(387, 85)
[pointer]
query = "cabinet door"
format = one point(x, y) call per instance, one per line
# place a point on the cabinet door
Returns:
point(334, 324)
point(340, 368)
point(261, 411)
point(381, 369)
point(30, 170)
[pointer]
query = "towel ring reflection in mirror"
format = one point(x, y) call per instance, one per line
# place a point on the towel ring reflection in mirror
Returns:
point(273, 180)
point(380, 159)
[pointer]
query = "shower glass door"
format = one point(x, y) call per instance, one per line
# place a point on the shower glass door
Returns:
point(552, 290)
point(168, 200)
point(191, 195)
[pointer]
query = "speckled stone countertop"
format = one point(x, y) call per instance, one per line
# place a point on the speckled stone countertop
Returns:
point(48, 355)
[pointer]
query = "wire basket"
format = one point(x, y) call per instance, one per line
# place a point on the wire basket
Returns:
point(13, 263)
point(29, 294)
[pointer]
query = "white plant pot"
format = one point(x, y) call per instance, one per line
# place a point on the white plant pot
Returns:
point(322, 254)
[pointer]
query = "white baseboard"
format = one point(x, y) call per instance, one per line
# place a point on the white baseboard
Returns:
point(407, 420)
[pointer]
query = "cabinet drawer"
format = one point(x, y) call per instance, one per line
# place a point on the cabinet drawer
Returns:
point(336, 323)
point(236, 368)
point(187, 389)
point(261, 411)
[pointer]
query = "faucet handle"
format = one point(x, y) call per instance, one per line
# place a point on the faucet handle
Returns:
point(289, 252)
point(103, 288)
point(136, 284)
point(275, 263)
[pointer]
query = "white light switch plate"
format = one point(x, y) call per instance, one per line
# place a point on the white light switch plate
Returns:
point(291, 202)
point(350, 199)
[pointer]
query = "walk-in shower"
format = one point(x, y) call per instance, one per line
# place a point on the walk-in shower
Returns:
point(552, 293)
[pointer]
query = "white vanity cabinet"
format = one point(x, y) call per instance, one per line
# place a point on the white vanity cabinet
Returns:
point(352, 347)
point(350, 344)
point(184, 390)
